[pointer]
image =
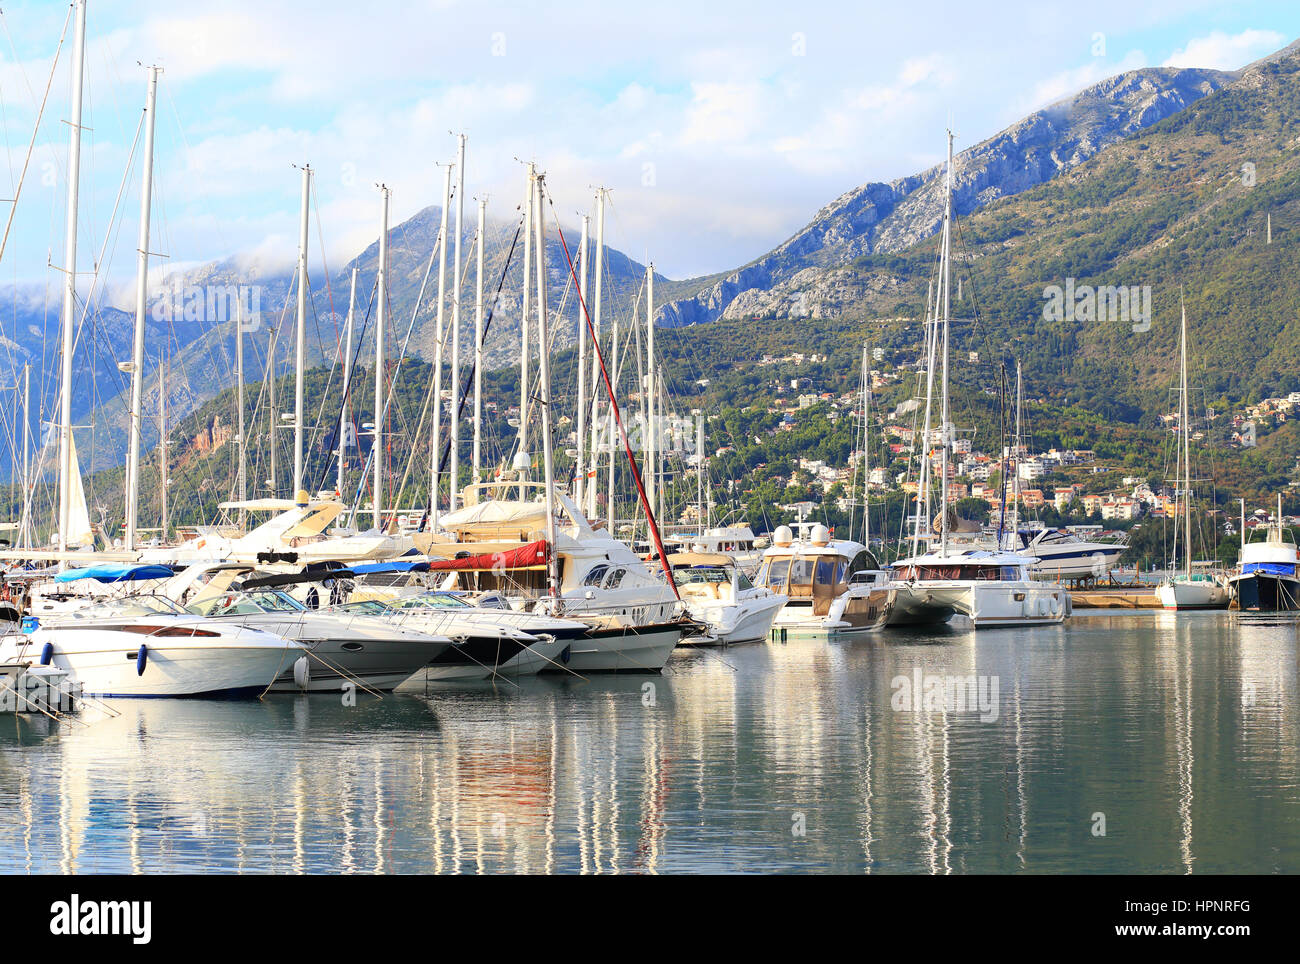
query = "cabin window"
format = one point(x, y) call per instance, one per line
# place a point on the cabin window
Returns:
point(742, 581)
point(779, 574)
point(615, 579)
point(825, 572)
point(801, 572)
point(594, 577)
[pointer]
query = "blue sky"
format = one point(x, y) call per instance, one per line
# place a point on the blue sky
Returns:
point(720, 128)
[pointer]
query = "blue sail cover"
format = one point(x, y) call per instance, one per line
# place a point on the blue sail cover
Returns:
point(115, 572)
point(1269, 568)
point(394, 566)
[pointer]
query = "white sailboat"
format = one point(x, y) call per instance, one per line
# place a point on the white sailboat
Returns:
point(1195, 587)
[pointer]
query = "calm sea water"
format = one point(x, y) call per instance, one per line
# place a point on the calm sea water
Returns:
point(1179, 733)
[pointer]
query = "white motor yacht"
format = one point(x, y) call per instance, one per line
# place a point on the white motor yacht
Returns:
point(145, 645)
point(340, 647)
point(718, 594)
point(497, 543)
point(830, 585)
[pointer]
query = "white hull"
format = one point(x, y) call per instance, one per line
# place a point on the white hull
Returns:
point(640, 649)
point(745, 622)
point(1192, 595)
point(986, 603)
point(1074, 565)
point(105, 663)
point(860, 609)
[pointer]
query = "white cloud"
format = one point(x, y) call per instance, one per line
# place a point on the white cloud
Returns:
point(1223, 51)
point(722, 113)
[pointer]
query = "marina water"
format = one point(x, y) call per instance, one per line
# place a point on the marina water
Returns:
point(1121, 742)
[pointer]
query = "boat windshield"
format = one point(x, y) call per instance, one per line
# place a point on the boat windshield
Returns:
point(144, 604)
point(364, 606)
point(247, 604)
point(687, 575)
point(778, 572)
point(430, 600)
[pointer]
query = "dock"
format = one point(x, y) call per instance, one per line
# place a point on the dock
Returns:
point(1115, 599)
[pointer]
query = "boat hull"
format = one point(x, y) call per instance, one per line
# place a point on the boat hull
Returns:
point(987, 604)
point(1266, 593)
point(855, 611)
point(1192, 595)
point(620, 649)
point(746, 622)
point(109, 667)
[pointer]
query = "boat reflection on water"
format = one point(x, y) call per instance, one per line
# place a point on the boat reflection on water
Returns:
point(1135, 745)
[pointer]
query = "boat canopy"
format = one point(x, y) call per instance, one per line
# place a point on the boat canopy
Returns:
point(115, 572)
point(531, 555)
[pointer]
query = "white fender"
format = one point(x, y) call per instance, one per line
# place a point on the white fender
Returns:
point(302, 672)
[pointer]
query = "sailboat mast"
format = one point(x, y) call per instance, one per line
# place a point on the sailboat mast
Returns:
point(300, 335)
point(699, 472)
point(923, 472)
point(381, 322)
point(866, 451)
point(613, 354)
point(435, 448)
point(580, 462)
point(945, 431)
point(478, 343)
point(652, 443)
point(346, 416)
point(454, 415)
point(70, 278)
point(544, 375)
point(1015, 485)
point(273, 415)
point(241, 468)
point(522, 459)
point(1187, 449)
point(141, 297)
point(24, 525)
point(595, 357)
point(164, 477)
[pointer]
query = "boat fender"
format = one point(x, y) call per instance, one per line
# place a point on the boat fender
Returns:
point(47, 654)
point(1042, 607)
point(565, 654)
point(1056, 605)
point(302, 672)
point(141, 659)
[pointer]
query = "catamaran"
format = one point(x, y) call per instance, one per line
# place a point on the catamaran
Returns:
point(990, 587)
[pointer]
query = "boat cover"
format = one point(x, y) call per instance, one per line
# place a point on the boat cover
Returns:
point(527, 556)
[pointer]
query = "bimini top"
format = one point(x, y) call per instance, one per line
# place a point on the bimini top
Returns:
point(115, 572)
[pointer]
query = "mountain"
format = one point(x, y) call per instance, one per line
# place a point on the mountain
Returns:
point(1200, 210)
point(884, 218)
point(200, 344)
